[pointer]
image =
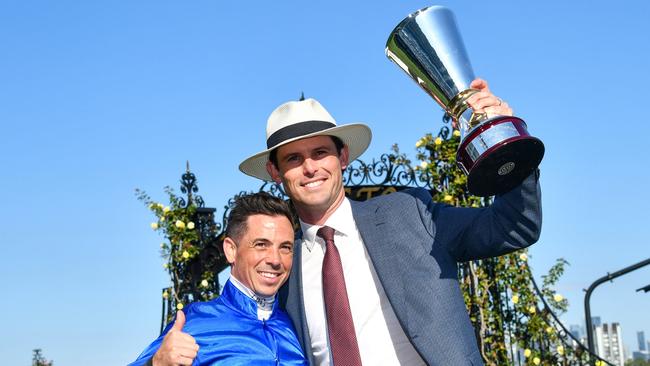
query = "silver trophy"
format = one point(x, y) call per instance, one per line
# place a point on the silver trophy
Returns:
point(495, 153)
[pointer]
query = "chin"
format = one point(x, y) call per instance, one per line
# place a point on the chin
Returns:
point(317, 200)
point(270, 292)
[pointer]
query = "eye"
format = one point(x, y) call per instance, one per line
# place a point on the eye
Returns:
point(260, 244)
point(286, 249)
point(291, 158)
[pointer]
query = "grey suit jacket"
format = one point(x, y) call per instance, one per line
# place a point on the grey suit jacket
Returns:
point(415, 245)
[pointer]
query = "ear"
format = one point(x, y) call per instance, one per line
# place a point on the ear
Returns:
point(273, 172)
point(344, 157)
point(230, 250)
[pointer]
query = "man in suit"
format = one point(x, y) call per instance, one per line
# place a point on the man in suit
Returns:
point(376, 282)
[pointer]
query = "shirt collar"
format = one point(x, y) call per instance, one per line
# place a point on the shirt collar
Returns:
point(341, 220)
point(263, 303)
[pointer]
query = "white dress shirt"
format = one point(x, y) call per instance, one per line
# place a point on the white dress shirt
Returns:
point(379, 334)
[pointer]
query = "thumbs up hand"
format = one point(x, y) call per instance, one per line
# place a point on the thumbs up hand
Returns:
point(177, 348)
point(180, 321)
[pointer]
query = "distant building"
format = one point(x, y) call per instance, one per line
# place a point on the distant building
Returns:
point(640, 336)
point(595, 321)
point(577, 331)
point(641, 355)
point(608, 339)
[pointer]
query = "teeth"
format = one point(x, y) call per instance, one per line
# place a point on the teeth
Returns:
point(314, 184)
point(269, 275)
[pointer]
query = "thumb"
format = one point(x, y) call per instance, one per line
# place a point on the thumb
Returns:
point(180, 321)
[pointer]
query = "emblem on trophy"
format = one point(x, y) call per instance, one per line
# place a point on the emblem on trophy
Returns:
point(496, 153)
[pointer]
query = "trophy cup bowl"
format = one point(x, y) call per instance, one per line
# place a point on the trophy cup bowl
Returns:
point(496, 153)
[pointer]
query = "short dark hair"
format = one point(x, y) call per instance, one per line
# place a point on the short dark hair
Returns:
point(260, 203)
point(273, 155)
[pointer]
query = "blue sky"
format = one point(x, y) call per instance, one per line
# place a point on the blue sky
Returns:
point(99, 98)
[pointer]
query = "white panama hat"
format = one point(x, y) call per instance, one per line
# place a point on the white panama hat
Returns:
point(297, 120)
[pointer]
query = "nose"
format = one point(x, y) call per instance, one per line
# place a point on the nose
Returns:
point(273, 258)
point(309, 167)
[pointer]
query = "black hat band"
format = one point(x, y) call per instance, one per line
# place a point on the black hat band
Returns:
point(296, 130)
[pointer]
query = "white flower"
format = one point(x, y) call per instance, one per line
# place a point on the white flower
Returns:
point(154, 225)
point(180, 224)
point(424, 165)
point(204, 283)
point(166, 209)
point(558, 297)
point(179, 306)
point(185, 254)
point(438, 141)
point(523, 257)
point(190, 225)
point(527, 353)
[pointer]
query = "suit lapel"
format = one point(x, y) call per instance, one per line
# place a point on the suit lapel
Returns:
point(295, 304)
point(386, 259)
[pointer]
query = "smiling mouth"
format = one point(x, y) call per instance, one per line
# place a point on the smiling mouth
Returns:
point(269, 274)
point(314, 183)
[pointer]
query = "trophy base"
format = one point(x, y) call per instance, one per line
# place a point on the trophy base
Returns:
point(498, 155)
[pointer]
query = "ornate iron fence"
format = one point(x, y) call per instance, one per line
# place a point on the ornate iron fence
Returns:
point(363, 181)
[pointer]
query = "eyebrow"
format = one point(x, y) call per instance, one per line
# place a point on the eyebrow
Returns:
point(265, 240)
point(319, 147)
point(326, 147)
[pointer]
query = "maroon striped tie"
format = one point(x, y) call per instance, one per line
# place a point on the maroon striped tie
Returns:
point(340, 327)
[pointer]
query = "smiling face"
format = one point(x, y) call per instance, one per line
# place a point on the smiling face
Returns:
point(261, 259)
point(310, 172)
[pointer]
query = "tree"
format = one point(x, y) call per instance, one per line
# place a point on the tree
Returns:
point(39, 360)
point(192, 251)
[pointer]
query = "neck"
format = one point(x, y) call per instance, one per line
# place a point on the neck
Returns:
point(318, 216)
point(262, 301)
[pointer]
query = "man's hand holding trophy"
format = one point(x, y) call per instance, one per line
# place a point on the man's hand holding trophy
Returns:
point(496, 151)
